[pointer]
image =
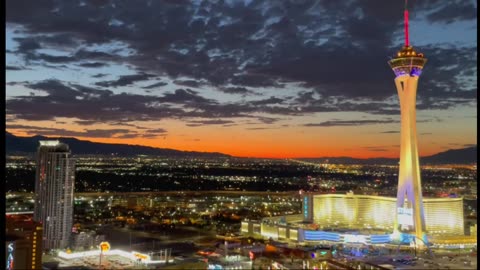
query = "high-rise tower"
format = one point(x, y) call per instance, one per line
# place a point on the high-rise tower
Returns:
point(54, 185)
point(407, 66)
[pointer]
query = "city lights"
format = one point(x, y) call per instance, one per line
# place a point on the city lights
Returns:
point(241, 135)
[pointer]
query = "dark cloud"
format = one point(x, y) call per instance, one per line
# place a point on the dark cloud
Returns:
point(16, 83)
point(59, 40)
point(99, 75)
point(271, 100)
point(335, 123)
point(453, 11)
point(93, 133)
point(185, 96)
point(153, 133)
point(125, 80)
point(148, 136)
point(54, 59)
point(123, 124)
point(90, 105)
point(235, 90)
point(155, 85)
point(14, 68)
point(156, 130)
point(56, 89)
point(27, 45)
point(188, 83)
point(390, 131)
point(85, 103)
point(86, 122)
point(268, 120)
point(199, 123)
point(128, 136)
point(93, 64)
point(260, 128)
point(83, 54)
point(335, 50)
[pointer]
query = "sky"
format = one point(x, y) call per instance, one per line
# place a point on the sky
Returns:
point(252, 78)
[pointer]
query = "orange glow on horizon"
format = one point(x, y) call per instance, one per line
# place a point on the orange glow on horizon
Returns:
point(258, 149)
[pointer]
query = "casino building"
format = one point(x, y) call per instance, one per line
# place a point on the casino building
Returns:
point(409, 218)
point(350, 218)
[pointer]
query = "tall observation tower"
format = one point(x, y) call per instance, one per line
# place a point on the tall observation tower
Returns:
point(407, 66)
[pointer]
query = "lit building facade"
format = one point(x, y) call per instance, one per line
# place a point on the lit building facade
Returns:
point(349, 218)
point(23, 243)
point(374, 213)
point(54, 185)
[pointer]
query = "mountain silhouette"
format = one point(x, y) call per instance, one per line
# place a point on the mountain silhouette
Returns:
point(29, 145)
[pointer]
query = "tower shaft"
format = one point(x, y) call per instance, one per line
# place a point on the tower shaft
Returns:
point(409, 194)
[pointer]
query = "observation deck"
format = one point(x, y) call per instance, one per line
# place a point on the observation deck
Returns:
point(408, 62)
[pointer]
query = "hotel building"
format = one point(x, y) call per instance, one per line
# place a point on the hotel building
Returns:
point(54, 184)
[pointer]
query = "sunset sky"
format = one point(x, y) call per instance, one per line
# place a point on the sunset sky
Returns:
point(248, 78)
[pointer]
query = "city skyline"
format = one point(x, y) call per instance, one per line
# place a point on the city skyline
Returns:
point(278, 79)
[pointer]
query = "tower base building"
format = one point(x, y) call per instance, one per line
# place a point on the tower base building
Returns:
point(363, 219)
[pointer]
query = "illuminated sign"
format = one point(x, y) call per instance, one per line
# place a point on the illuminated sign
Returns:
point(380, 238)
point(141, 256)
point(49, 143)
point(10, 250)
point(232, 258)
point(405, 216)
point(104, 246)
point(305, 207)
point(352, 238)
point(321, 235)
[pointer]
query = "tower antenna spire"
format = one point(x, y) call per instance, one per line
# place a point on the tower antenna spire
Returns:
point(405, 19)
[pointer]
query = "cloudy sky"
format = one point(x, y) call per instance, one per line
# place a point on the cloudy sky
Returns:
point(248, 78)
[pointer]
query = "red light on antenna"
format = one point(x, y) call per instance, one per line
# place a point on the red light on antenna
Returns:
point(406, 27)
point(405, 19)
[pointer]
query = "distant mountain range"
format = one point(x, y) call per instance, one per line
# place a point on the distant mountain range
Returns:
point(28, 145)
point(454, 156)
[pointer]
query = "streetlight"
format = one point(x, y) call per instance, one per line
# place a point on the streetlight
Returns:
point(104, 246)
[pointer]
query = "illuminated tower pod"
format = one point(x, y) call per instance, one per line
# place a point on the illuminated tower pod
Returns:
point(54, 185)
point(407, 66)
